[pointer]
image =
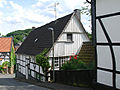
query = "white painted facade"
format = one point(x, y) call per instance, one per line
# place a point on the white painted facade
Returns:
point(112, 25)
point(62, 47)
point(5, 57)
point(1, 62)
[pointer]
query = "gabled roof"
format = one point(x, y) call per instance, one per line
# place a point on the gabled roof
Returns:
point(41, 37)
point(5, 44)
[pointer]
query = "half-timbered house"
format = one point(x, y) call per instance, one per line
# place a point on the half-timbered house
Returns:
point(6, 44)
point(69, 35)
point(106, 33)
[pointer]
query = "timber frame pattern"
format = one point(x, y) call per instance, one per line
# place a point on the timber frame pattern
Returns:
point(110, 44)
point(36, 73)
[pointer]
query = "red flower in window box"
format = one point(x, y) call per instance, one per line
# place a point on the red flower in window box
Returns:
point(70, 57)
point(75, 57)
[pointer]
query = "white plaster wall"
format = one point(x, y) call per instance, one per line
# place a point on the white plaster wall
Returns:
point(23, 69)
point(63, 37)
point(37, 68)
point(6, 56)
point(32, 73)
point(107, 6)
point(59, 49)
point(64, 48)
point(74, 26)
point(104, 77)
point(100, 34)
point(50, 62)
point(71, 48)
point(118, 81)
point(112, 25)
point(31, 66)
point(1, 62)
point(117, 56)
point(104, 57)
point(104, 7)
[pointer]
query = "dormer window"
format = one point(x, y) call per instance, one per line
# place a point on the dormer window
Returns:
point(69, 37)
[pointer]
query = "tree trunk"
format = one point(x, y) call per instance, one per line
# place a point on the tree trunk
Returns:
point(11, 69)
point(7, 70)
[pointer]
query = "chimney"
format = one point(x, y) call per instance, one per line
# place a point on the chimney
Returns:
point(33, 28)
point(77, 13)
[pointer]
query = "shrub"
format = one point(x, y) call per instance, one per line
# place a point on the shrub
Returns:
point(1, 69)
point(74, 64)
point(42, 60)
point(5, 64)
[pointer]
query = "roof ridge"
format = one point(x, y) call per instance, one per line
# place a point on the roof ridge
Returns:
point(54, 20)
point(44, 36)
point(5, 37)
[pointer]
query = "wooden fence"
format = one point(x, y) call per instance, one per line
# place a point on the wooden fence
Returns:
point(74, 77)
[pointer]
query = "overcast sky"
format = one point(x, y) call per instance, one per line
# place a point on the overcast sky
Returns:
point(23, 14)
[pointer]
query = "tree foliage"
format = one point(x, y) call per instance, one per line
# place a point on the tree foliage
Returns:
point(18, 36)
point(42, 60)
point(12, 57)
point(4, 65)
point(86, 9)
point(89, 36)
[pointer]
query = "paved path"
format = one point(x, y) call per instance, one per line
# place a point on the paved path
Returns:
point(54, 86)
point(8, 83)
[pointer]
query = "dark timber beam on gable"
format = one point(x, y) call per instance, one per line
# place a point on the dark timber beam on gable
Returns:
point(75, 32)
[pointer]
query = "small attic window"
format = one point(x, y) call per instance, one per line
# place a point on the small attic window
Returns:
point(36, 40)
point(69, 37)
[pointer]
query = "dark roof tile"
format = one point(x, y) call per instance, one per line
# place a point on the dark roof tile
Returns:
point(41, 37)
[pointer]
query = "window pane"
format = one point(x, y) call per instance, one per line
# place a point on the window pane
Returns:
point(69, 37)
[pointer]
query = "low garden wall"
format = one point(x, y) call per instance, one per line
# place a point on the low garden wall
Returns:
point(74, 77)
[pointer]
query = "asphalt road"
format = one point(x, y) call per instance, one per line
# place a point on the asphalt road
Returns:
point(7, 82)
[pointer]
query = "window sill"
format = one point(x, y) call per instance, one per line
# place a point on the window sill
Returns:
point(69, 42)
point(65, 42)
